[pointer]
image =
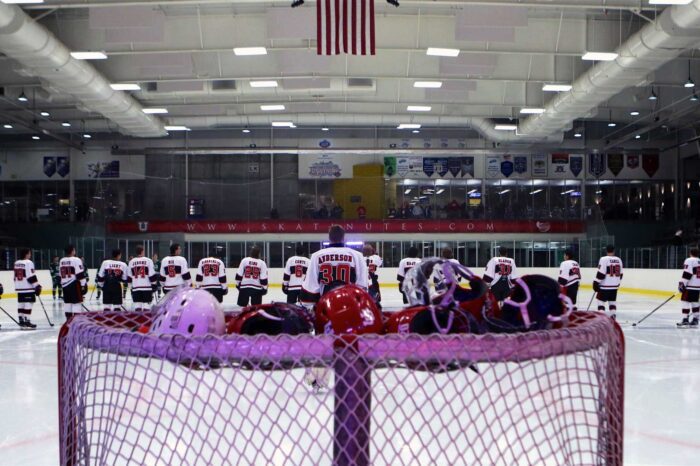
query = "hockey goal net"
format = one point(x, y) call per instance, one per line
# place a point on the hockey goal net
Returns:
point(549, 397)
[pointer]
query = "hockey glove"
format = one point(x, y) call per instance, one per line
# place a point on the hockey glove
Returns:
point(83, 290)
point(264, 291)
point(596, 286)
point(225, 290)
point(681, 287)
point(285, 290)
point(37, 290)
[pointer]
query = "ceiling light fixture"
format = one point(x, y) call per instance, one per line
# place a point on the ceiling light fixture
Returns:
point(634, 113)
point(271, 108)
point(408, 126)
point(65, 124)
point(505, 127)
point(36, 138)
point(22, 97)
point(669, 2)
point(532, 111)
point(442, 52)
point(21, 2)
point(89, 55)
point(599, 56)
point(263, 84)
point(689, 83)
point(177, 128)
point(577, 135)
point(415, 131)
point(612, 124)
point(44, 114)
point(249, 51)
point(637, 136)
point(154, 111)
point(324, 129)
point(694, 97)
point(419, 108)
point(556, 87)
point(282, 124)
point(125, 87)
point(246, 130)
point(653, 95)
point(428, 84)
point(7, 126)
point(87, 136)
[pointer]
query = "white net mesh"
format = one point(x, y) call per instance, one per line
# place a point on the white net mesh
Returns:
point(551, 397)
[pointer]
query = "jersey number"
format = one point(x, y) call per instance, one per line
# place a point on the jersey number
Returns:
point(575, 272)
point(171, 271)
point(210, 270)
point(505, 269)
point(139, 272)
point(298, 271)
point(66, 272)
point(251, 272)
point(19, 275)
point(614, 270)
point(334, 273)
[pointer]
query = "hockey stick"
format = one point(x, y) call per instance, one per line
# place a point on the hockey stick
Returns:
point(8, 315)
point(655, 309)
point(83, 305)
point(591, 301)
point(45, 313)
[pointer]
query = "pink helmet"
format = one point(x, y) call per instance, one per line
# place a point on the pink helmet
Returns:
point(188, 311)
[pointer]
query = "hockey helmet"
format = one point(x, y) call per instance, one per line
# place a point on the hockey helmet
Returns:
point(272, 319)
point(188, 311)
point(348, 310)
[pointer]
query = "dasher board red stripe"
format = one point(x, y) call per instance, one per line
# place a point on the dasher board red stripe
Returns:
point(345, 26)
point(351, 226)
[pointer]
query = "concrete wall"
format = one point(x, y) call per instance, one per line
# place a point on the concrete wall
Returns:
point(653, 282)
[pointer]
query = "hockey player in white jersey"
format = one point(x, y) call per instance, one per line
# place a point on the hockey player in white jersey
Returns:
point(143, 278)
point(111, 276)
point(689, 286)
point(294, 274)
point(251, 278)
point(374, 262)
point(333, 266)
point(406, 264)
point(500, 274)
point(446, 254)
point(607, 281)
point(174, 270)
point(211, 276)
point(27, 287)
point(73, 282)
point(570, 276)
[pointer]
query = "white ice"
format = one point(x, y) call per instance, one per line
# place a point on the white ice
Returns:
point(662, 385)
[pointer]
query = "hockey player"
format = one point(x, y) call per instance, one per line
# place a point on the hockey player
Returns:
point(27, 287)
point(607, 281)
point(500, 274)
point(569, 276)
point(333, 266)
point(406, 264)
point(374, 262)
point(294, 274)
point(156, 264)
point(689, 286)
point(55, 279)
point(211, 276)
point(251, 278)
point(143, 278)
point(73, 282)
point(174, 270)
point(110, 278)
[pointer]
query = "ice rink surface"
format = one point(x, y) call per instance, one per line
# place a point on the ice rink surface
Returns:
point(662, 385)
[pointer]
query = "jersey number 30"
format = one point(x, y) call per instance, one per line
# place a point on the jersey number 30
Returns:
point(334, 273)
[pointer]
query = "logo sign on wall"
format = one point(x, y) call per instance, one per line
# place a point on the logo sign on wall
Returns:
point(520, 164)
point(389, 166)
point(539, 165)
point(103, 169)
point(559, 163)
point(616, 163)
point(632, 161)
point(493, 167)
point(507, 166)
point(576, 164)
point(650, 164)
point(325, 166)
point(56, 165)
point(596, 164)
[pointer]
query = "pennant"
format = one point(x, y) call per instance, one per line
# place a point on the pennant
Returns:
point(596, 164)
point(520, 164)
point(576, 165)
point(454, 165)
point(49, 166)
point(429, 166)
point(650, 164)
point(468, 166)
point(633, 161)
point(616, 163)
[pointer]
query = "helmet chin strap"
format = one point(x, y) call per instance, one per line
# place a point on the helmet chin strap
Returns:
point(522, 306)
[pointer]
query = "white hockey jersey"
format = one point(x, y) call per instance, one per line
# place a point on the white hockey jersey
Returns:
point(25, 276)
point(569, 273)
point(373, 264)
point(111, 270)
point(691, 273)
point(295, 272)
point(211, 273)
point(174, 272)
point(72, 269)
point(406, 264)
point(142, 274)
point(499, 267)
point(335, 263)
point(252, 274)
point(609, 273)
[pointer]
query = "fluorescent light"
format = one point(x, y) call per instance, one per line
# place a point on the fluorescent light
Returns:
point(22, 97)
point(263, 84)
point(536, 191)
point(153, 110)
point(577, 135)
point(87, 136)
point(653, 95)
point(567, 192)
point(669, 2)
point(599, 56)
point(270, 108)
point(89, 55)
point(282, 124)
point(440, 191)
point(415, 131)
point(505, 127)
point(532, 110)
point(419, 108)
point(504, 191)
point(634, 113)
point(324, 129)
point(408, 191)
point(246, 130)
point(408, 126)
point(637, 136)
point(556, 87)
point(472, 191)
point(247, 51)
point(65, 124)
point(428, 84)
point(7, 126)
point(694, 98)
point(612, 124)
point(44, 114)
point(177, 128)
point(21, 2)
point(36, 138)
point(441, 52)
point(125, 87)
point(689, 83)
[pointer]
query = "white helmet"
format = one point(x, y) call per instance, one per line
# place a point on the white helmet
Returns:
point(189, 311)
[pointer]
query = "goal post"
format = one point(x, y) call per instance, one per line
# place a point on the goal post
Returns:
point(545, 397)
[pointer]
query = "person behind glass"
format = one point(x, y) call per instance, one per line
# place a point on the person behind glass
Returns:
point(55, 279)
point(251, 279)
point(158, 290)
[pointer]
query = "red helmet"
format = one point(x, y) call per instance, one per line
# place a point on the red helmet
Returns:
point(271, 319)
point(348, 310)
point(426, 320)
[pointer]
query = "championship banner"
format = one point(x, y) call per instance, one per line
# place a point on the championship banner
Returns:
point(650, 164)
point(493, 167)
point(596, 164)
point(616, 163)
point(539, 165)
point(326, 166)
point(441, 167)
point(507, 166)
point(389, 166)
point(454, 166)
point(560, 164)
point(350, 226)
point(576, 164)
point(429, 166)
point(467, 166)
point(632, 161)
point(520, 164)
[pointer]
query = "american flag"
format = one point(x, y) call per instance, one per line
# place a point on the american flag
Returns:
point(345, 26)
